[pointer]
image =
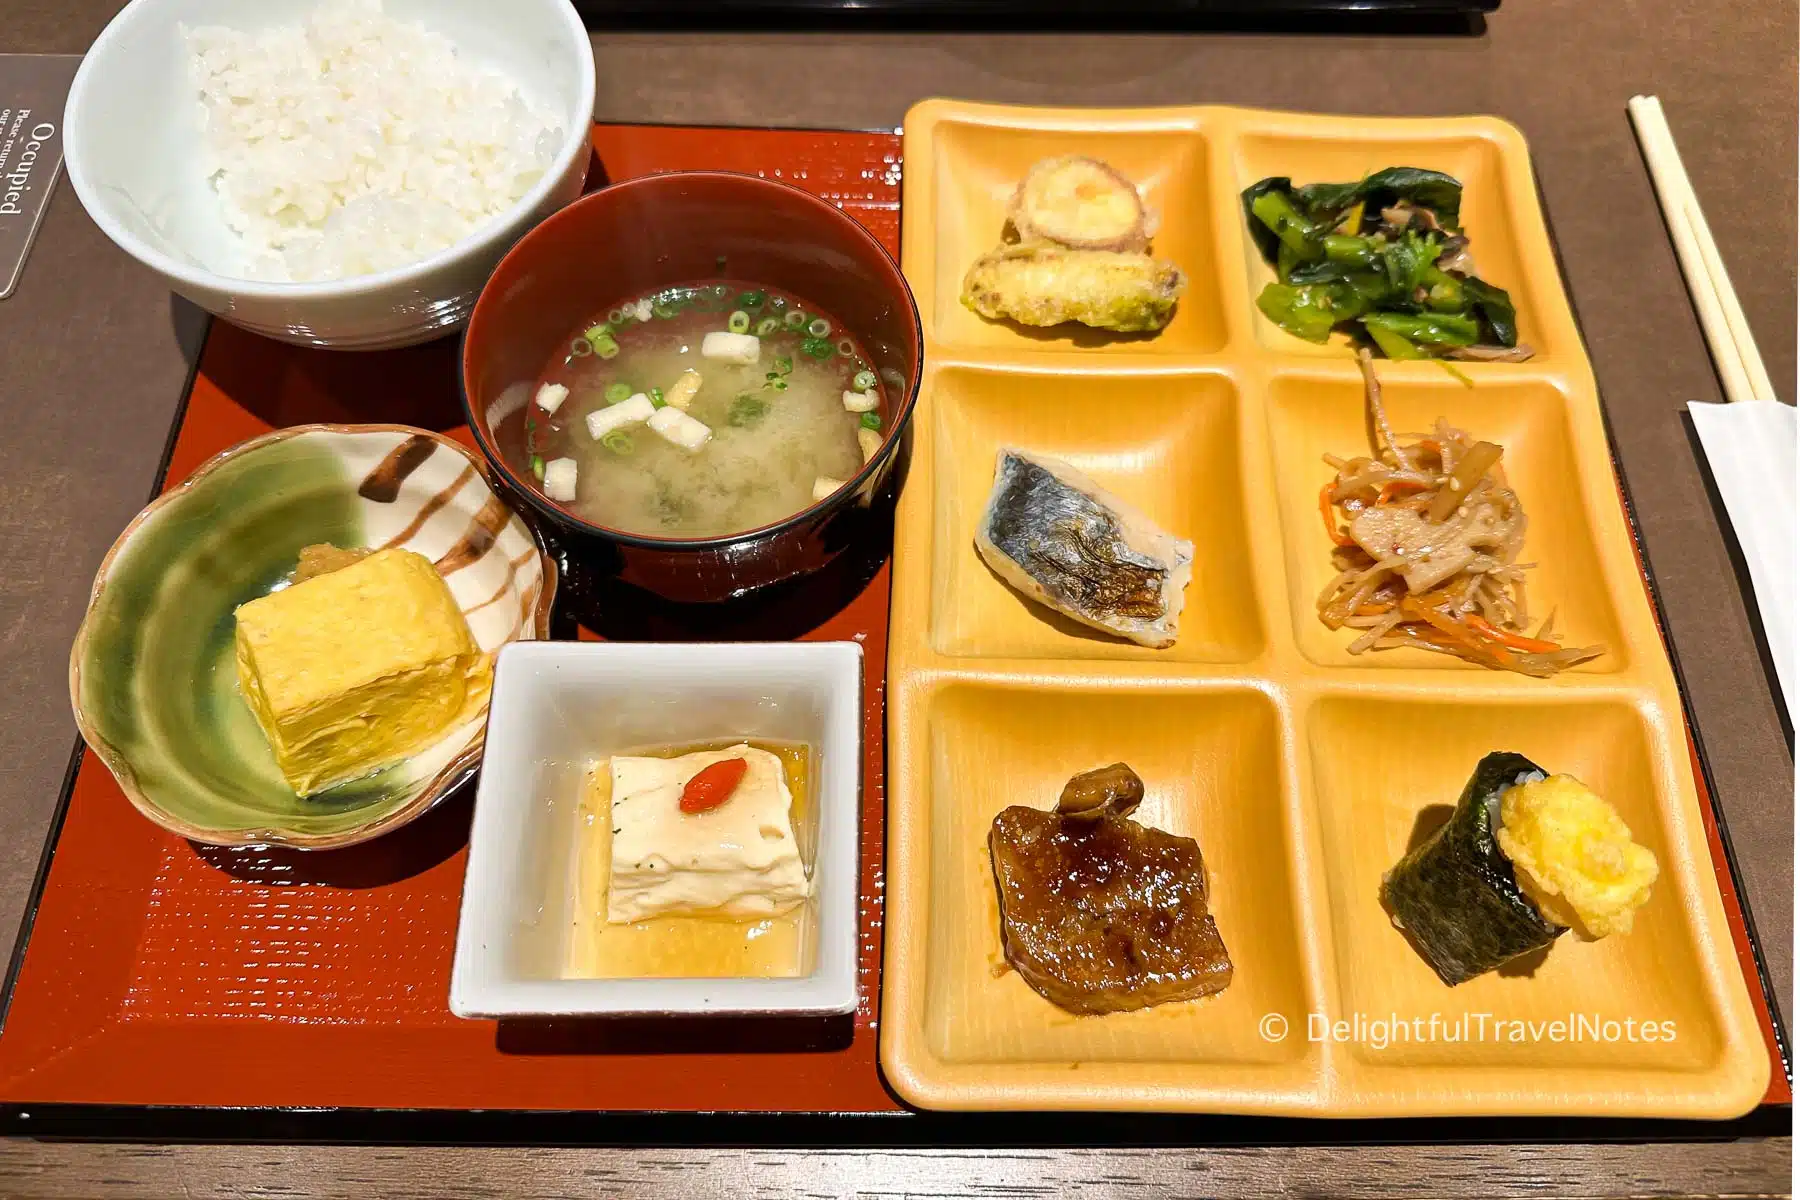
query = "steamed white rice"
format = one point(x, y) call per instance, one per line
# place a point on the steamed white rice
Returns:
point(358, 143)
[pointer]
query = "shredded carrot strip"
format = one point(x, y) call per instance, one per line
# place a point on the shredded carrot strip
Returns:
point(1517, 641)
point(1482, 654)
point(1393, 485)
point(1330, 517)
point(1435, 599)
point(1462, 635)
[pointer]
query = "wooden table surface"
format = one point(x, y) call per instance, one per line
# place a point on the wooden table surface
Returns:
point(93, 354)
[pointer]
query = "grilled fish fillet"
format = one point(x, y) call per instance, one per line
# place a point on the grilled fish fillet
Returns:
point(1104, 916)
point(1041, 284)
point(1058, 538)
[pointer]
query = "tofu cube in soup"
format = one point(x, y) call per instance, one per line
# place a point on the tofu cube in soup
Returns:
point(559, 479)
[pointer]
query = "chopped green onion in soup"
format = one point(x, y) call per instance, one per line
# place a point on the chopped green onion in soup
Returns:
point(734, 407)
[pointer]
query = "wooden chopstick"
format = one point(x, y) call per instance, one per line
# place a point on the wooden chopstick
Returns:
point(1734, 352)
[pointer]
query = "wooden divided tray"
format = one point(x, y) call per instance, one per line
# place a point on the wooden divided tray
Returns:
point(1300, 768)
point(167, 988)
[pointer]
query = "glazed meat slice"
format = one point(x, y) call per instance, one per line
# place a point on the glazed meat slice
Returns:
point(1104, 915)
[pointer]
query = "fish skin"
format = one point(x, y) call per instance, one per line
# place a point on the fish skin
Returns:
point(1042, 285)
point(1059, 539)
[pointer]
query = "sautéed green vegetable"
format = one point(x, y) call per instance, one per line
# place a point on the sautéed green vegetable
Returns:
point(1383, 259)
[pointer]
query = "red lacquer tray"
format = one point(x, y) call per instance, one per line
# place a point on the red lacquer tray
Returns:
point(161, 976)
point(159, 972)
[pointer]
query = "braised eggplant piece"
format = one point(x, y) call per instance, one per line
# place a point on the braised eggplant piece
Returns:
point(1099, 913)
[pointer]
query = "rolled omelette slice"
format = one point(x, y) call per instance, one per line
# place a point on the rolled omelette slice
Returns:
point(356, 669)
point(1574, 855)
point(1060, 539)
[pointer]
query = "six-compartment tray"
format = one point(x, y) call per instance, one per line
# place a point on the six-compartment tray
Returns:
point(1302, 770)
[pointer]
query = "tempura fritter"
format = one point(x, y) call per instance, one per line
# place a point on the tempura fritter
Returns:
point(1038, 284)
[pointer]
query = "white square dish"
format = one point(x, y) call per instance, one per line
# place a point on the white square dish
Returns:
point(557, 708)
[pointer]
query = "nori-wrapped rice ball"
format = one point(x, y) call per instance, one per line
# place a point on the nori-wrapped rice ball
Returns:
point(1456, 895)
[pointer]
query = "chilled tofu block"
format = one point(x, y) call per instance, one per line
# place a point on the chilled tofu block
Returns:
point(353, 670)
point(737, 860)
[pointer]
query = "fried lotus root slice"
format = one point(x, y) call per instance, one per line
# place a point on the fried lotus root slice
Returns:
point(1081, 203)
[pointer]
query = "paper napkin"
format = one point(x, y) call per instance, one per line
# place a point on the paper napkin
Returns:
point(1750, 447)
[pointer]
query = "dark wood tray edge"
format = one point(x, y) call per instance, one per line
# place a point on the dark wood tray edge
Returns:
point(513, 1127)
point(1462, 19)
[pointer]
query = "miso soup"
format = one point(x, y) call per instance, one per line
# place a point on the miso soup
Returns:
point(703, 410)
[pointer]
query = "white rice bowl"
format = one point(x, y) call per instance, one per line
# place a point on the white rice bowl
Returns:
point(356, 142)
point(138, 159)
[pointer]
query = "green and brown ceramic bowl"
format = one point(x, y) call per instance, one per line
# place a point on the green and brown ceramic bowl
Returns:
point(152, 673)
